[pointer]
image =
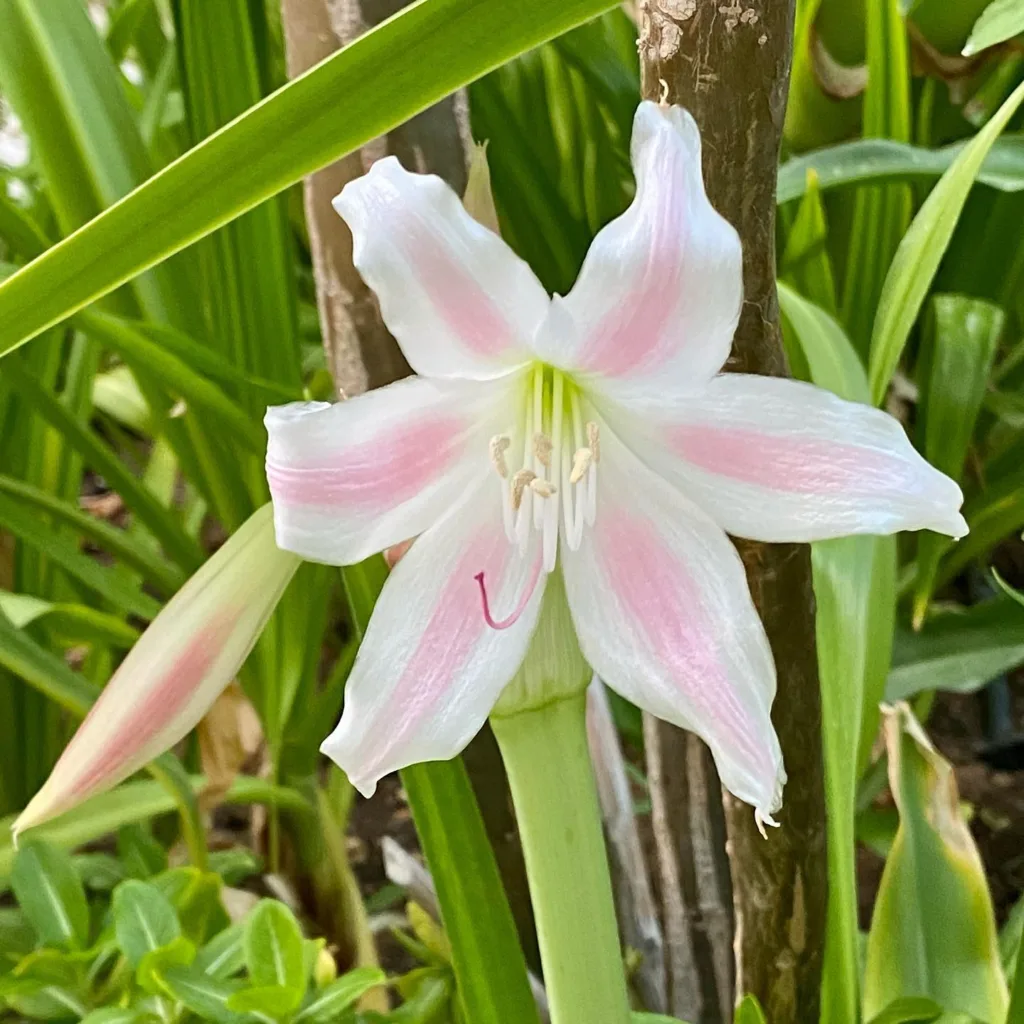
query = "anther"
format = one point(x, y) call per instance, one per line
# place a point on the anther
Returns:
point(580, 464)
point(498, 446)
point(520, 482)
point(542, 448)
point(542, 488)
point(594, 440)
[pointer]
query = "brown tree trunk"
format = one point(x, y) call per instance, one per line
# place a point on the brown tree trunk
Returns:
point(688, 819)
point(361, 352)
point(728, 62)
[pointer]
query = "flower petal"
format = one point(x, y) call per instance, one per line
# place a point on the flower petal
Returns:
point(430, 668)
point(664, 616)
point(781, 460)
point(175, 672)
point(659, 294)
point(353, 478)
point(459, 301)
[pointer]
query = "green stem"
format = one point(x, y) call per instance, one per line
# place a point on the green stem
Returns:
point(549, 770)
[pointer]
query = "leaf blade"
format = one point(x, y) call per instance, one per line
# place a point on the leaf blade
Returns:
point(459, 40)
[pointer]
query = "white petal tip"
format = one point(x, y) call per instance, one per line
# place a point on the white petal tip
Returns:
point(761, 818)
point(349, 201)
point(651, 117)
point(366, 786)
point(958, 527)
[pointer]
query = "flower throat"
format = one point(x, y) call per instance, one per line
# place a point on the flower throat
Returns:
point(547, 468)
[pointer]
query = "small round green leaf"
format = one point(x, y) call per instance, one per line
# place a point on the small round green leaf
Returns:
point(50, 894)
point(144, 919)
point(273, 948)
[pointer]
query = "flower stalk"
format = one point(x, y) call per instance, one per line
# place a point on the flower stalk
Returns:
point(552, 781)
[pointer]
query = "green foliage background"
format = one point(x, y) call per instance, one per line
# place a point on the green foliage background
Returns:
point(158, 296)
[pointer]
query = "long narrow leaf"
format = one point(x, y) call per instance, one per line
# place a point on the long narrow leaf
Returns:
point(933, 929)
point(67, 92)
point(138, 801)
point(97, 456)
point(878, 161)
point(342, 103)
point(854, 583)
point(959, 360)
point(175, 375)
point(114, 584)
point(920, 253)
point(166, 577)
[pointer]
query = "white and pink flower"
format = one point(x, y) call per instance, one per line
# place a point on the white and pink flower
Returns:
point(591, 435)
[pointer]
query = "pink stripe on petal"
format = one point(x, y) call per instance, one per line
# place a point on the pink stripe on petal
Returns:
point(445, 645)
point(664, 604)
point(162, 703)
point(632, 337)
point(389, 468)
point(467, 310)
point(784, 463)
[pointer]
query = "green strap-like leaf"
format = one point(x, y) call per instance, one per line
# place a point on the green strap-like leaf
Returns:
point(959, 651)
point(166, 577)
point(854, 582)
point(352, 97)
point(956, 365)
point(112, 583)
point(933, 927)
point(922, 248)
point(160, 521)
point(139, 801)
point(877, 161)
point(175, 375)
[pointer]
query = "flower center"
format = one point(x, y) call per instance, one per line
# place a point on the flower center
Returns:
point(548, 465)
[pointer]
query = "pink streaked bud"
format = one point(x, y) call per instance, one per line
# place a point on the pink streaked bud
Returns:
point(172, 676)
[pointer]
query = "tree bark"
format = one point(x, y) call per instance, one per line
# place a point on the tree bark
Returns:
point(688, 819)
point(361, 352)
point(729, 64)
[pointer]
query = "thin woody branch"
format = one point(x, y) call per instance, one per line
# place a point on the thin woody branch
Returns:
point(728, 63)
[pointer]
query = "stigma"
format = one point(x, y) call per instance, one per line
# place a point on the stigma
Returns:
point(547, 465)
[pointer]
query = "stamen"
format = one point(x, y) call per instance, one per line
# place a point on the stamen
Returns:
point(499, 445)
point(542, 488)
point(551, 511)
point(520, 482)
point(580, 464)
point(524, 600)
point(594, 440)
point(542, 449)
